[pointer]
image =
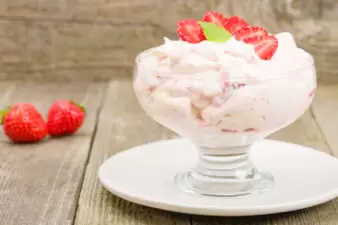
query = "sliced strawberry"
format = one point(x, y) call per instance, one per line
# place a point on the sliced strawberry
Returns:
point(266, 48)
point(190, 31)
point(251, 130)
point(224, 130)
point(251, 34)
point(235, 23)
point(215, 17)
point(311, 94)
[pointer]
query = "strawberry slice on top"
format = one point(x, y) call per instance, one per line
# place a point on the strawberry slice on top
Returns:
point(211, 29)
point(216, 18)
point(235, 23)
point(190, 31)
point(251, 34)
point(267, 47)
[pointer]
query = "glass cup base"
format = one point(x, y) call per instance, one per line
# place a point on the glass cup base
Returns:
point(226, 171)
point(223, 187)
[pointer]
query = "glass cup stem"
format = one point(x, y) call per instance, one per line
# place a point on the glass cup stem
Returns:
point(224, 172)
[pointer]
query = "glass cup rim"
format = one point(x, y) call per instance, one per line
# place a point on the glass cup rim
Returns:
point(309, 64)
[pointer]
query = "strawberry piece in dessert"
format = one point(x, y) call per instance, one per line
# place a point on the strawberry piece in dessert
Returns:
point(216, 18)
point(267, 47)
point(265, 44)
point(251, 34)
point(235, 23)
point(151, 88)
point(251, 130)
point(228, 130)
point(312, 93)
point(190, 31)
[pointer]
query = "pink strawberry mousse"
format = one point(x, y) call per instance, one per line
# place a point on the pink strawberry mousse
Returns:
point(224, 93)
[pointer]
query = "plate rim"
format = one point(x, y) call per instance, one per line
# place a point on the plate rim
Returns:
point(215, 211)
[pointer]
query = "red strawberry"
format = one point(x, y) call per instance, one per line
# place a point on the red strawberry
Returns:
point(251, 130)
point(267, 47)
point(224, 130)
point(189, 30)
point(215, 17)
point(235, 23)
point(22, 122)
point(64, 118)
point(251, 34)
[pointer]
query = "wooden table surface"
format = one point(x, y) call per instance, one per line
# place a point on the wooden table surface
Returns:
point(55, 182)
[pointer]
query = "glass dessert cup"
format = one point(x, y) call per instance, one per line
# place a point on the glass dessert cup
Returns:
point(224, 121)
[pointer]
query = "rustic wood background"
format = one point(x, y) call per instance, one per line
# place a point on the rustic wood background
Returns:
point(99, 39)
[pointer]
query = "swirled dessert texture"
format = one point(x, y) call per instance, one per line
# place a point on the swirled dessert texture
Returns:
point(216, 91)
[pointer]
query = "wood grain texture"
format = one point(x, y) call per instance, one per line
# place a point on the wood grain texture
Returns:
point(122, 125)
point(67, 51)
point(39, 183)
point(99, 39)
point(325, 110)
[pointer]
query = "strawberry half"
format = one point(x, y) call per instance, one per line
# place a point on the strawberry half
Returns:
point(266, 48)
point(235, 23)
point(190, 31)
point(216, 18)
point(251, 34)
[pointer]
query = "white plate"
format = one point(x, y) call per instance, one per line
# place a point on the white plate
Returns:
point(145, 174)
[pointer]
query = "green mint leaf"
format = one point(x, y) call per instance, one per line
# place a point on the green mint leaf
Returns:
point(214, 33)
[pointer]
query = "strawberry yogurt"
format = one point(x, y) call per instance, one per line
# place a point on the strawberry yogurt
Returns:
point(223, 94)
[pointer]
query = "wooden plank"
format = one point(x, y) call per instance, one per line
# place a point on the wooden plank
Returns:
point(63, 51)
point(325, 110)
point(39, 183)
point(80, 10)
point(64, 39)
point(120, 11)
point(122, 125)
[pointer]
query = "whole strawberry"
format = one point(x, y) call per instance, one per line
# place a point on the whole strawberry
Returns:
point(22, 122)
point(65, 117)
